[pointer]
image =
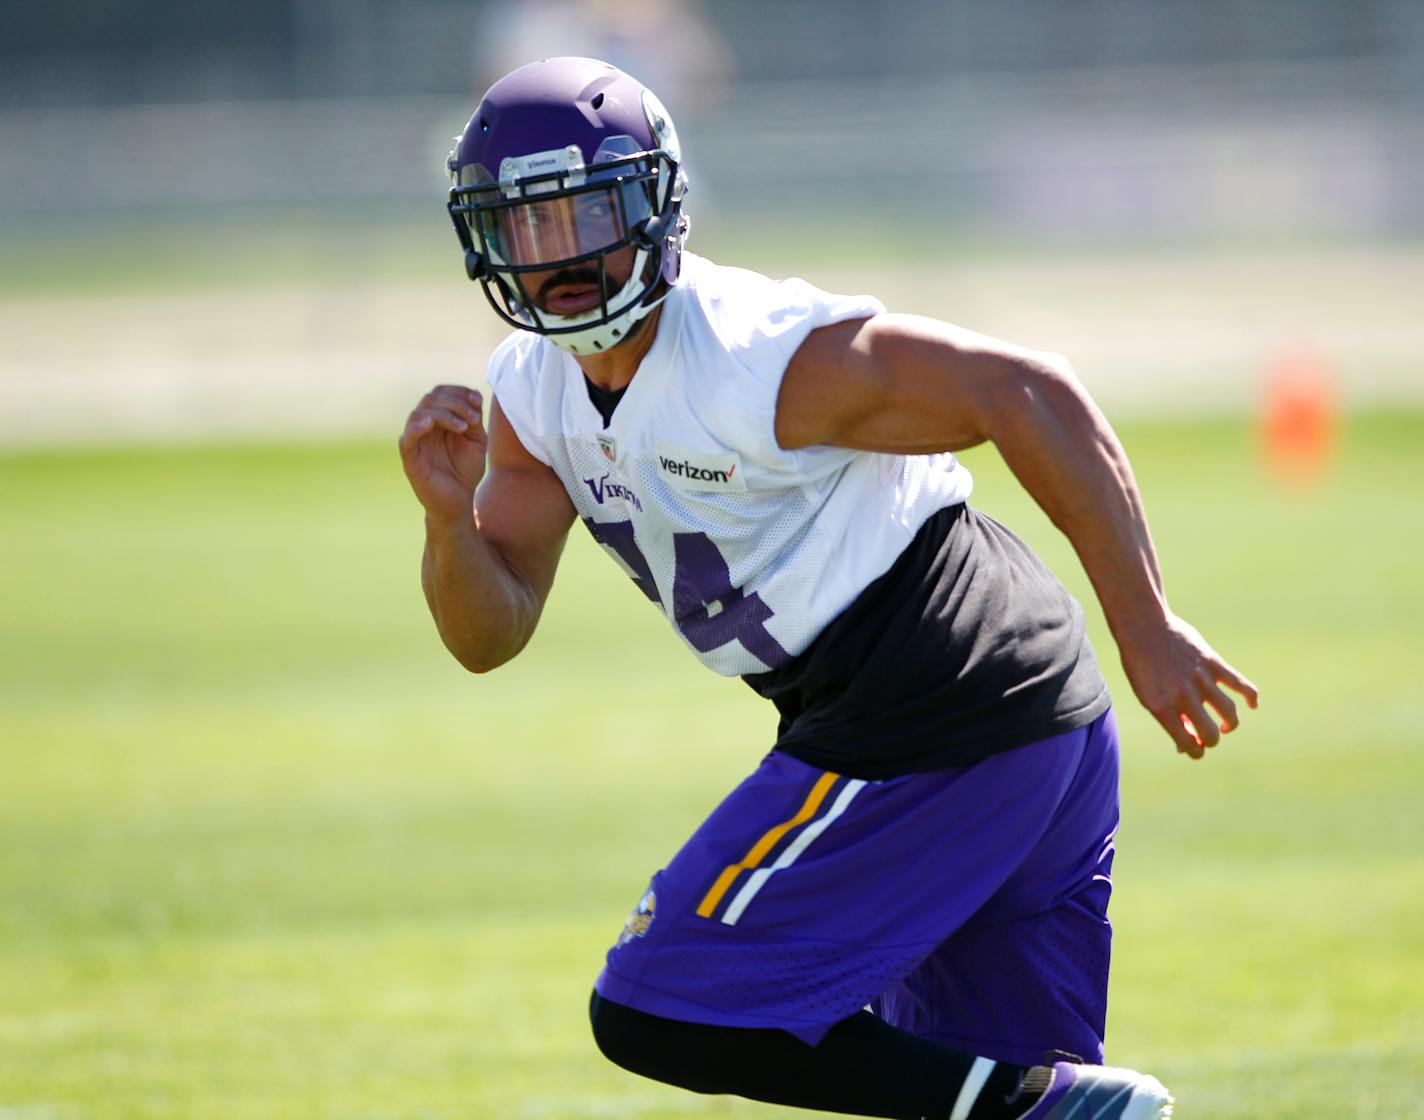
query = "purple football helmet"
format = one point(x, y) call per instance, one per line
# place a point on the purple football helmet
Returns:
point(567, 200)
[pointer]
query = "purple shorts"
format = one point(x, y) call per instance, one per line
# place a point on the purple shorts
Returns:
point(966, 906)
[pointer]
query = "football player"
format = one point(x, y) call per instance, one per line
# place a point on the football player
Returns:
point(902, 911)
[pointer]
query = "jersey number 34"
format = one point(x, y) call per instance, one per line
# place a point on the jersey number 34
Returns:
point(707, 609)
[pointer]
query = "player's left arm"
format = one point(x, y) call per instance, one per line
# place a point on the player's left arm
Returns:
point(911, 385)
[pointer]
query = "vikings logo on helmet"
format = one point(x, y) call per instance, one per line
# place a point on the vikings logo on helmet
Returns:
point(640, 919)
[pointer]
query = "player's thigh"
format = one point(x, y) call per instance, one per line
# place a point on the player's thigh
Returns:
point(807, 893)
point(1029, 971)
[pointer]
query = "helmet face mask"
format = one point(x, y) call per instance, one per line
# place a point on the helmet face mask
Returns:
point(577, 242)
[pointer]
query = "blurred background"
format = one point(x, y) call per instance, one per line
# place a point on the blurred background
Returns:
point(218, 218)
point(267, 852)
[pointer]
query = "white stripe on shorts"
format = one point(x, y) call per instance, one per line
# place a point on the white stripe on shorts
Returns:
point(758, 879)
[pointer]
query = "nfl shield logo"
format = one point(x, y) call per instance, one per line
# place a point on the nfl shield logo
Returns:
point(609, 447)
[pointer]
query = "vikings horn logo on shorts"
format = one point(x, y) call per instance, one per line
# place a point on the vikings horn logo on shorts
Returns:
point(641, 918)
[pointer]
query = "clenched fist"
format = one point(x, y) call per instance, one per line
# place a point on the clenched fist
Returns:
point(443, 451)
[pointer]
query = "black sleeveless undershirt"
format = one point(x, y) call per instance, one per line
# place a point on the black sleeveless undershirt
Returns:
point(966, 647)
point(605, 400)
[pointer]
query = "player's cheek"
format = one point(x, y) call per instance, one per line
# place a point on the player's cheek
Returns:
point(620, 266)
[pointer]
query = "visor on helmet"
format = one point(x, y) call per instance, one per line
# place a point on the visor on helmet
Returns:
point(539, 231)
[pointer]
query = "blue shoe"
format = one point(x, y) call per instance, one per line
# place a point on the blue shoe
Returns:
point(1082, 1092)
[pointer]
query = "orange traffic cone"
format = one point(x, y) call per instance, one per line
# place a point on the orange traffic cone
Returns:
point(1299, 419)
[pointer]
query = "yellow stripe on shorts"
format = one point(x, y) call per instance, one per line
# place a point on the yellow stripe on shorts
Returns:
point(759, 850)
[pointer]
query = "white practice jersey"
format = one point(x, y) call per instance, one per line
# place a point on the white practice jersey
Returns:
point(748, 549)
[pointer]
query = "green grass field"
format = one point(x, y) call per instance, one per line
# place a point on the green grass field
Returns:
point(267, 852)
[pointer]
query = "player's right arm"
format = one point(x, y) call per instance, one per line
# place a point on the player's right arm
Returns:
point(493, 536)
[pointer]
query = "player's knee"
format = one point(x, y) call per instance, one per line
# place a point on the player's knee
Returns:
point(612, 1033)
point(649, 1046)
point(627, 1038)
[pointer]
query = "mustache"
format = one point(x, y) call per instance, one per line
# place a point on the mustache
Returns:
point(582, 274)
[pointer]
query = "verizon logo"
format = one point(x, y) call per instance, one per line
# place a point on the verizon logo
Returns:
point(694, 473)
point(687, 470)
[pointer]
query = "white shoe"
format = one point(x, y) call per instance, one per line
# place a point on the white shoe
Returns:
point(1083, 1092)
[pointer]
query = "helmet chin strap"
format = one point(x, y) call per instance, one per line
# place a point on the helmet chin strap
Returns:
point(603, 336)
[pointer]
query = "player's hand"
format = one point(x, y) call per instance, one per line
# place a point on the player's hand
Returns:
point(1182, 681)
point(443, 451)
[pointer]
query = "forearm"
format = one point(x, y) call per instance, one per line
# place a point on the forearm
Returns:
point(1062, 449)
point(484, 611)
point(907, 385)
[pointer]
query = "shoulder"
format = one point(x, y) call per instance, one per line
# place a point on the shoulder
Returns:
point(739, 330)
point(526, 381)
point(760, 321)
point(527, 372)
point(521, 353)
point(905, 384)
